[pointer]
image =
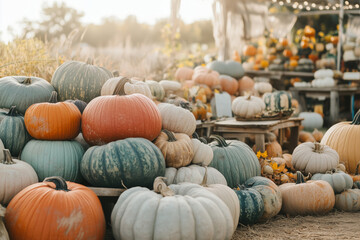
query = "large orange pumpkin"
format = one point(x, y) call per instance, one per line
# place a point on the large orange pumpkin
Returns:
point(309, 31)
point(228, 84)
point(53, 120)
point(203, 75)
point(250, 50)
point(111, 118)
point(287, 53)
point(63, 210)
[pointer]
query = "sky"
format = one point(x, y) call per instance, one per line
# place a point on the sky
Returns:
point(12, 12)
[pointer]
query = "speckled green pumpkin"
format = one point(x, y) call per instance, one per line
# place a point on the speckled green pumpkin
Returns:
point(277, 101)
point(235, 160)
point(54, 158)
point(130, 162)
point(156, 89)
point(251, 205)
point(13, 132)
point(22, 92)
point(78, 80)
point(270, 195)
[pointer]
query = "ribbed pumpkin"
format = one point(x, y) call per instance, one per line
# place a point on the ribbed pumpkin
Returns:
point(13, 132)
point(177, 119)
point(135, 86)
point(235, 160)
point(228, 84)
point(270, 194)
point(54, 158)
point(184, 211)
point(81, 105)
point(203, 153)
point(348, 200)
point(53, 120)
point(311, 120)
point(277, 101)
point(132, 161)
point(203, 75)
point(263, 87)
point(156, 90)
point(306, 198)
point(246, 84)
point(251, 205)
point(177, 148)
point(78, 80)
point(184, 73)
point(3, 113)
point(314, 158)
point(343, 138)
point(338, 180)
point(194, 174)
point(247, 106)
point(231, 68)
point(3, 233)
point(110, 118)
point(22, 92)
point(15, 175)
point(55, 209)
point(115, 84)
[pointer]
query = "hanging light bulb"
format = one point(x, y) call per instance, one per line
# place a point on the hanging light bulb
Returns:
point(308, 8)
point(274, 1)
point(300, 7)
point(357, 5)
point(306, 3)
point(327, 7)
point(321, 7)
point(294, 5)
point(313, 5)
point(281, 3)
point(288, 1)
point(347, 3)
point(334, 8)
point(337, 5)
point(350, 7)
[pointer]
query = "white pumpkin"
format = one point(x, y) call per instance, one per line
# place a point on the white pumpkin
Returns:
point(324, 73)
point(137, 87)
point(194, 174)
point(15, 175)
point(3, 233)
point(263, 87)
point(323, 82)
point(311, 120)
point(348, 200)
point(184, 211)
point(314, 158)
point(203, 154)
point(170, 85)
point(177, 119)
point(247, 106)
point(113, 83)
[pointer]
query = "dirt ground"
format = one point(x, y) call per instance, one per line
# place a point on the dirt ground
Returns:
point(334, 225)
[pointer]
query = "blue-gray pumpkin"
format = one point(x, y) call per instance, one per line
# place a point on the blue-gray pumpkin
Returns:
point(13, 132)
point(338, 180)
point(22, 92)
point(130, 162)
point(251, 205)
point(235, 160)
point(81, 105)
point(270, 194)
point(54, 158)
point(230, 68)
point(78, 80)
point(277, 101)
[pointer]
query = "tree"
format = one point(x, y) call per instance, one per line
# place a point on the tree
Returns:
point(58, 20)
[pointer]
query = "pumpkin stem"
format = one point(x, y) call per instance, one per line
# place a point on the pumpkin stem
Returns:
point(119, 89)
point(299, 177)
point(221, 141)
point(170, 135)
point(90, 61)
point(318, 148)
point(12, 111)
point(241, 187)
point(122, 183)
point(185, 105)
point(27, 80)
point(60, 183)
point(116, 74)
point(204, 181)
point(53, 97)
point(7, 157)
point(160, 187)
point(195, 135)
point(356, 120)
point(248, 97)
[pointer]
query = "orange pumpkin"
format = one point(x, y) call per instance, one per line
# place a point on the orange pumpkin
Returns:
point(284, 42)
point(287, 53)
point(184, 73)
point(264, 63)
point(199, 109)
point(55, 209)
point(313, 57)
point(271, 57)
point(188, 83)
point(228, 84)
point(309, 31)
point(53, 120)
point(250, 50)
point(306, 137)
point(334, 40)
point(304, 42)
point(245, 84)
point(273, 149)
point(293, 63)
point(236, 56)
point(317, 135)
point(203, 75)
point(294, 80)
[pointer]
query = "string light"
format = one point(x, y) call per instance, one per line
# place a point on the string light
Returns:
point(321, 7)
point(308, 8)
point(281, 3)
point(311, 5)
point(327, 7)
point(300, 7)
point(306, 3)
point(357, 5)
point(347, 3)
point(334, 8)
point(288, 1)
point(350, 7)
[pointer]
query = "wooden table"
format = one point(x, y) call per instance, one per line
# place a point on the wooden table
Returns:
point(240, 129)
point(204, 129)
point(333, 93)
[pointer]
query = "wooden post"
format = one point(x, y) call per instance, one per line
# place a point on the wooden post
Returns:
point(340, 34)
point(260, 142)
point(334, 106)
point(294, 138)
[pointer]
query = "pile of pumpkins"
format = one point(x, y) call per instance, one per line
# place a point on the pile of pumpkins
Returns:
point(109, 134)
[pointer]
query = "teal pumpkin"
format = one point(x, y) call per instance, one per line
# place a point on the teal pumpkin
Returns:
point(348, 200)
point(22, 92)
point(81, 105)
point(3, 113)
point(54, 158)
point(251, 205)
point(13, 132)
point(156, 89)
point(230, 68)
point(277, 101)
point(338, 180)
point(130, 162)
point(270, 195)
point(78, 80)
point(235, 160)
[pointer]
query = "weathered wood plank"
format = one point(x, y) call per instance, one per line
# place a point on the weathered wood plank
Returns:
point(107, 192)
